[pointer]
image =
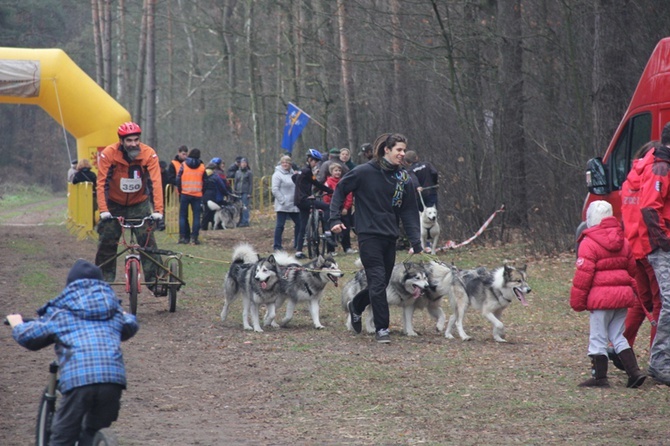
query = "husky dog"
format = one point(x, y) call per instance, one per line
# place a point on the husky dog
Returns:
point(306, 283)
point(430, 228)
point(490, 291)
point(440, 277)
point(227, 215)
point(408, 282)
point(257, 280)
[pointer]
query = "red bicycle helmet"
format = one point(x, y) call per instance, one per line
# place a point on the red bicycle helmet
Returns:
point(129, 128)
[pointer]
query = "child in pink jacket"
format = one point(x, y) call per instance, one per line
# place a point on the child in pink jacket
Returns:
point(604, 284)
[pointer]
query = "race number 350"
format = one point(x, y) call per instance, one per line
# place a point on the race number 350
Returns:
point(130, 185)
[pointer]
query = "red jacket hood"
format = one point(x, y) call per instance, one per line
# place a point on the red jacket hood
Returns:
point(607, 234)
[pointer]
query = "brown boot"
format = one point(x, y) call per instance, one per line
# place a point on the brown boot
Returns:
point(635, 376)
point(599, 372)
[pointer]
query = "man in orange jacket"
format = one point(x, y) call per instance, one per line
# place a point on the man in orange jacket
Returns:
point(190, 182)
point(129, 186)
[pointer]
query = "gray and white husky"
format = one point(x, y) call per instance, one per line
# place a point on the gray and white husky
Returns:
point(257, 280)
point(307, 283)
point(226, 216)
point(489, 291)
point(408, 282)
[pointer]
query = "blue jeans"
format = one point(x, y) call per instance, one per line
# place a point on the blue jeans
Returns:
point(279, 229)
point(244, 217)
point(196, 206)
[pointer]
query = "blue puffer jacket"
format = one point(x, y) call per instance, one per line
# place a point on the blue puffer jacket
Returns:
point(87, 324)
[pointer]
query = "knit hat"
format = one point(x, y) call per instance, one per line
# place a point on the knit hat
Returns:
point(83, 269)
point(597, 211)
point(194, 153)
point(334, 151)
point(244, 160)
point(75, 162)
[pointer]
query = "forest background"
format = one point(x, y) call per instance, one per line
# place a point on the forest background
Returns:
point(507, 98)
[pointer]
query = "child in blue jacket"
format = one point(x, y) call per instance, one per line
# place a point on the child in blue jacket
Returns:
point(87, 324)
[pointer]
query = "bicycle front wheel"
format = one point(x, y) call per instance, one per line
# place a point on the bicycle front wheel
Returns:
point(133, 285)
point(45, 416)
point(173, 286)
point(312, 235)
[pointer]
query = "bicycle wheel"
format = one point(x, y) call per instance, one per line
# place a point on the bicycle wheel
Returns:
point(173, 286)
point(105, 437)
point(312, 234)
point(133, 284)
point(45, 416)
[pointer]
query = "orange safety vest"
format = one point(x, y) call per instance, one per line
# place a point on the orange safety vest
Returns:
point(176, 165)
point(191, 180)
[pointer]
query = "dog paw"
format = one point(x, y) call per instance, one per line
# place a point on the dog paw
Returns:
point(319, 327)
point(449, 336)
point(466, 338)
point(499, 339)
point(258, 330)
point(412, 333)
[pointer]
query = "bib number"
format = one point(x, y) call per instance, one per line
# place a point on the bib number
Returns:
point(131, 185)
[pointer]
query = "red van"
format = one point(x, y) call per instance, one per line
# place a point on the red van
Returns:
point(648, 112)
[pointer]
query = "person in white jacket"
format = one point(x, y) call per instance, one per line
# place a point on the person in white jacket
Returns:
point(283, 190)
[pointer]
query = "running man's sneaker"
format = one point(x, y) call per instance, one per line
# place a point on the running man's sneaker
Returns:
point(383, 336)
point(351, 251)
point(356, 319)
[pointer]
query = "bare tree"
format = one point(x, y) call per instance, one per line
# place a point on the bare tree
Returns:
point(347, 79)
point(150, 121)
point(511, 142)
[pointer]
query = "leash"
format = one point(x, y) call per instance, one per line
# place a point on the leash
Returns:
point(649, 316)
point(450, 244)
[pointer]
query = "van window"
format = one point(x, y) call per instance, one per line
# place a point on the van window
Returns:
point(636, 133)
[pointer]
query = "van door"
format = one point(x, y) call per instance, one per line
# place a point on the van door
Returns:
point(635, 134)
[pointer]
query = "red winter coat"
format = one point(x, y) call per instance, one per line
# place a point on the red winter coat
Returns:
point(605, 276)
point(631, 191)
point(655, 201)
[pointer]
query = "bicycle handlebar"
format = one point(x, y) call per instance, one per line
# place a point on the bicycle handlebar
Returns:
point(122, 221)
point(28, 319)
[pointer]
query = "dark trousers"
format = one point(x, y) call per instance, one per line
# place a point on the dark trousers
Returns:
point(378, 258)
point(109, 232)
point(196, 206)
point(83, 411)
point(279, 229)
point(345, 236)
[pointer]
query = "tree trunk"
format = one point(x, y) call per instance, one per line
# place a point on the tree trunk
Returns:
point(347, 77)
point(106, 29)
point(122, 70)
point(150, 133)
point(511, 137)
point(97, 39)
point(253, 93)
point(141, 66)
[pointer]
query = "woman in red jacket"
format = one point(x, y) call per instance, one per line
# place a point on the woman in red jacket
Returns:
point(604, 284)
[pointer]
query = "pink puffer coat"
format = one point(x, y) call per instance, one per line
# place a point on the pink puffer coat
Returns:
point(605, 275)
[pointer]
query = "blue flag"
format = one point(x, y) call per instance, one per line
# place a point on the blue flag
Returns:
point(296, 120)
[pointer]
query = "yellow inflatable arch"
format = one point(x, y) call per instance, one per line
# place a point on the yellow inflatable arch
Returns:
point(50, 79)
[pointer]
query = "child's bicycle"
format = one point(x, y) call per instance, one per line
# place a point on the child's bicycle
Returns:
point(317, 241)
point(169, 276)
point(47, 410)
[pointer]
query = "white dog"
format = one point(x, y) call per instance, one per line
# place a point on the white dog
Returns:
point(430, 228)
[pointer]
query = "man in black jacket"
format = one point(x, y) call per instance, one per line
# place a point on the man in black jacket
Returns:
point(383, 194)
point(426, 175)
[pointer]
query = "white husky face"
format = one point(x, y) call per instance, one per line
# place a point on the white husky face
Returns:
point(266, 273)
point(429, 214)
point(516, 279)
point(332, 270)
point(415, 281)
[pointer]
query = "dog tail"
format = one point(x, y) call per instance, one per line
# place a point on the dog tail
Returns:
point(283, 258)
point(244, 253)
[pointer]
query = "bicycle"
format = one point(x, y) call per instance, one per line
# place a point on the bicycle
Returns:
point(317, 242)
point(167, 283)
point(47, 410)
